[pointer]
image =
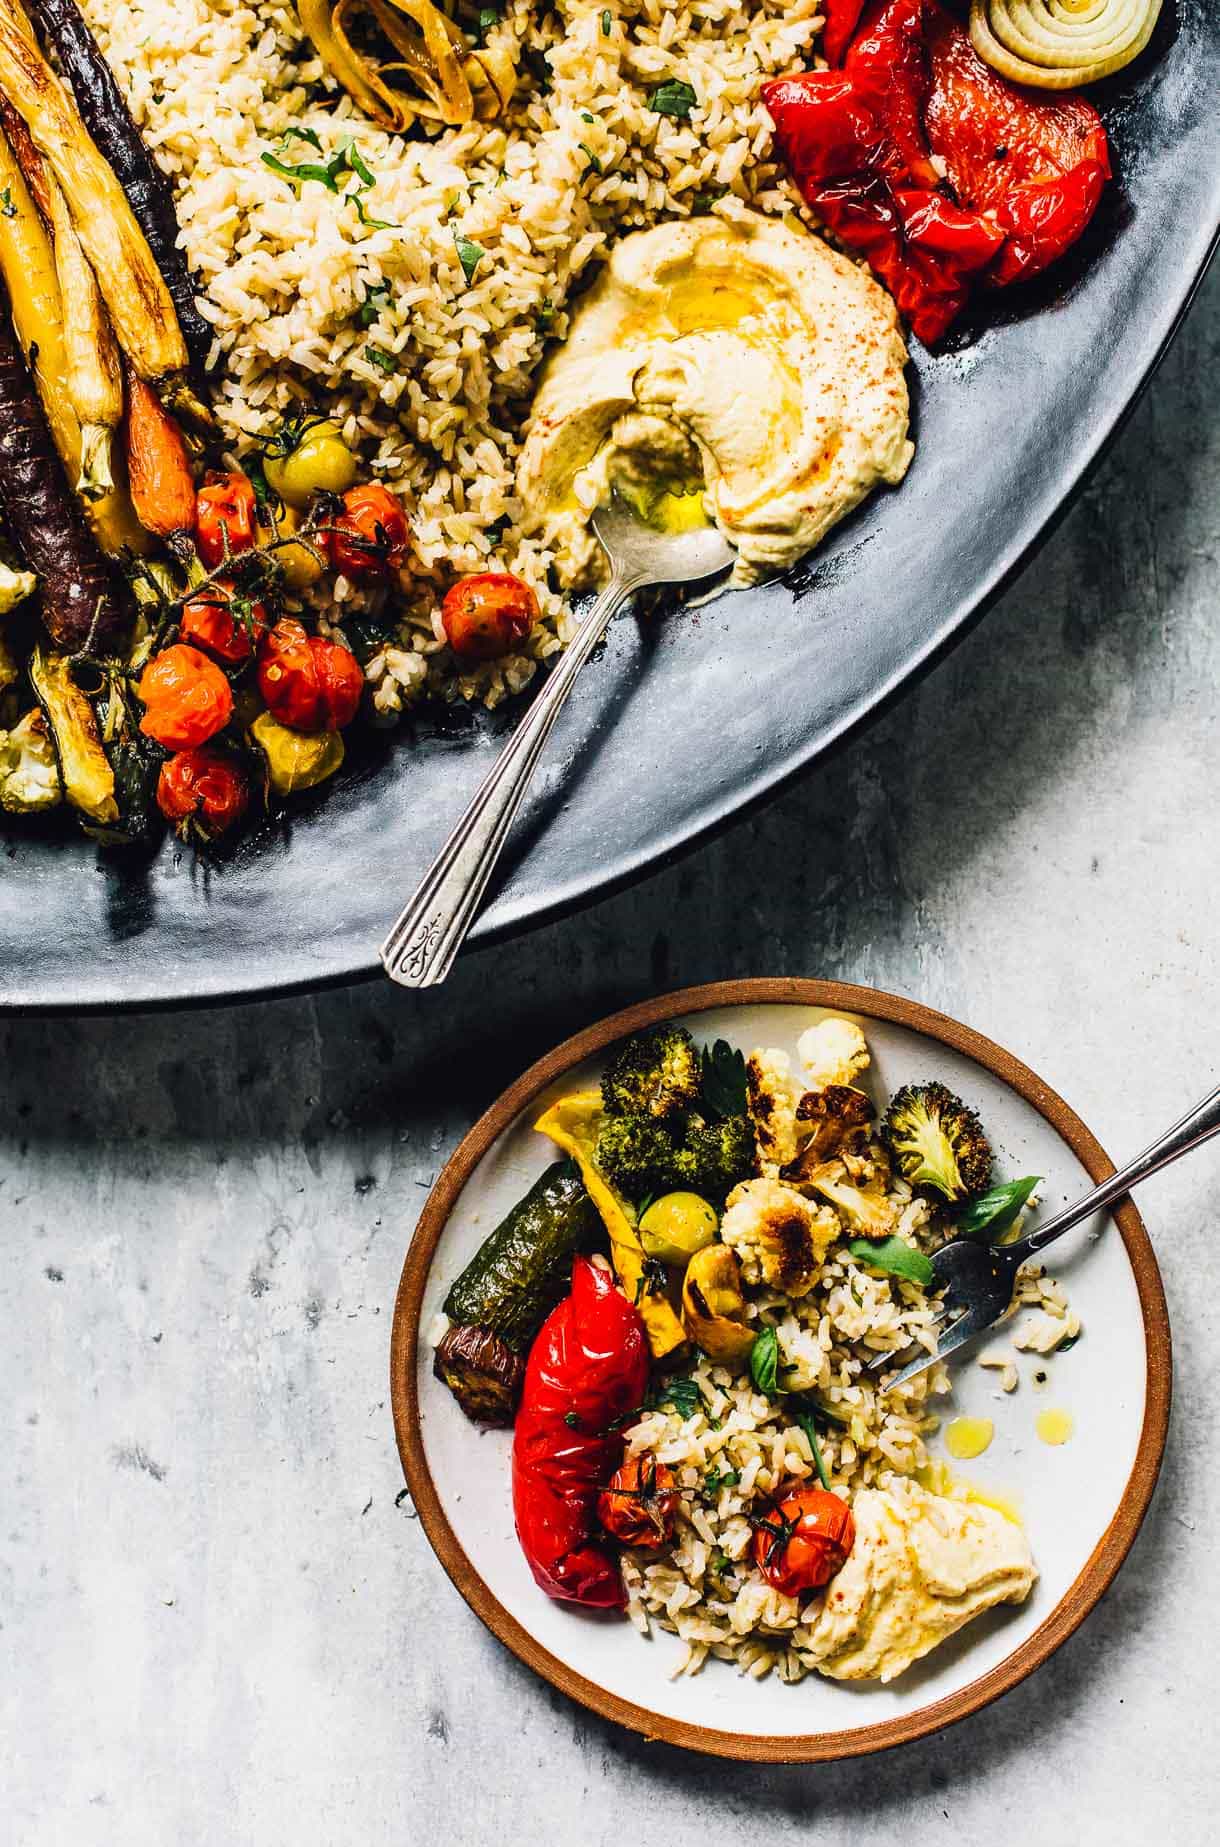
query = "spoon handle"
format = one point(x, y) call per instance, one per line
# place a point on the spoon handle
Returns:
point(421, 948)
point(1199, 1125)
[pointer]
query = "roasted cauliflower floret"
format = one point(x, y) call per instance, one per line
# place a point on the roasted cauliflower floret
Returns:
point(29, 774)
point(780, 1237)
point(866, 1212)
point(831, 1120)
point(832, 1052)
point(773, 1098)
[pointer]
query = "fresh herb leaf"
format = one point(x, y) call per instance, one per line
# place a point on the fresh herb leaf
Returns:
point(370, 224)
point(607, 22)
point(488, 17)
point(6, 204)
point(378, 297)
point(724, 1081)
point(470, 255)
point(718, 1559)
point(805, 1420)
point(719, 1478)
point(539, 66)
point(586, 117)
point(592, 163)
point(673, 98)
point(681, 1394)
point(704, 200)
point(997, 1210)
point(643, 1206)
point(764, 1362)
point(546, 316)
point(895, 1256)
point(571, 1420)
point(653, 1278)
point(308, 170)
point(1065, 1346)
point(377, 355)
point(292, 133)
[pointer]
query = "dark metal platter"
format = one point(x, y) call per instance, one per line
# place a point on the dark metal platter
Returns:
point(686, 720)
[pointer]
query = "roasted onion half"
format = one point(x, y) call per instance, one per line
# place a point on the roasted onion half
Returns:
point(448, 83)
point(1060, 44)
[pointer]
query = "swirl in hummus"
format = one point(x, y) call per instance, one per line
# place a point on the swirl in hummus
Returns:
point(733, 369)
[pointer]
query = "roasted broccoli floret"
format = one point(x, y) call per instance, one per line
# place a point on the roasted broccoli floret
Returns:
point(716, 1155)
point(638, 1154)
point(653, 1074)
point(937, 1141)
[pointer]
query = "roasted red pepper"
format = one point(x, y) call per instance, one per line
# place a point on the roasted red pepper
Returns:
point(937, 170)
point(587, 1369)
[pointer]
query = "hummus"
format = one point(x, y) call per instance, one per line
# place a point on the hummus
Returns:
point(737, 370)
point(921, 1568)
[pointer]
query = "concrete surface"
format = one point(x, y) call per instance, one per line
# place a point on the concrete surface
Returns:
point(221, 1624)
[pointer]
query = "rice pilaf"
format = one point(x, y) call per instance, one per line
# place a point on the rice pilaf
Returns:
point(365, 310)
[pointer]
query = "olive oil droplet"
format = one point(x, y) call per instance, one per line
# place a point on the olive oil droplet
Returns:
point(967, 1437)
point(1054, 1426)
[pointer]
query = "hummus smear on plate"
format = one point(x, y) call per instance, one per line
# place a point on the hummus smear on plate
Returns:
point(737, 370)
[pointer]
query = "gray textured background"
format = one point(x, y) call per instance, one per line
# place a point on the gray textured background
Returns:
point(217, 1624)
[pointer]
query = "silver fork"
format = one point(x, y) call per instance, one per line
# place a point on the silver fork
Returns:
point(421, 948)
point(978, 1279)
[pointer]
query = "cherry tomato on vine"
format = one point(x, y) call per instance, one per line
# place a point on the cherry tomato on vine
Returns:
point(639, 1506)
point(308, 683)
point(187, 698)
point(218, 618)
point(803, 1539)
point(225, 505)
point(369, 537)
point(487, 616)
point(203, 789)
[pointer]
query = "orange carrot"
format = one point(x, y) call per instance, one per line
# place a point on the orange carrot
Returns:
point(157, 465)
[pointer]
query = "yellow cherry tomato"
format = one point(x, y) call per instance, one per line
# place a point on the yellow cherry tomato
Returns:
point(320, 461)
point(676, 1226)
point(296, 759)
point(302, 565)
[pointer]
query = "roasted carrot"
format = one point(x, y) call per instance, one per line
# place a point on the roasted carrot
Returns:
point(27, 266)
point(80, 601)
point(157, 463)
point(108, 120)
point(95, 378)
point(141, 309)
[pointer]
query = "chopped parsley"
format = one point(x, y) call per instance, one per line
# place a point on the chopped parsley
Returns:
point(607, 22)
point(592, 163)
point(470, 255)
point(680, 1394)
point(719, 1478)
point(571, 1420)
point(377, 298)
point(546, 316)
point(7, 208)
point(346, 158)
point(377, 356)
point(723, 1076)
point(673, 98)
point(703, 202)
point(489, 16)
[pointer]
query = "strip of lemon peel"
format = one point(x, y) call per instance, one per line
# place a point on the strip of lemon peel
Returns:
point(573, 1125)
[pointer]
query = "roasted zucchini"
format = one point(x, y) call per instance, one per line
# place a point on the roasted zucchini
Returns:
point(508, 1289)
point(87, 777)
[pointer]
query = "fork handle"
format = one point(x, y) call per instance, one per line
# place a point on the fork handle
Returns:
point(421, 948)
point(1198, 1126)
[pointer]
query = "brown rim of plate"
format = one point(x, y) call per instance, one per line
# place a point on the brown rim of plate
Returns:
point(1106, 1557)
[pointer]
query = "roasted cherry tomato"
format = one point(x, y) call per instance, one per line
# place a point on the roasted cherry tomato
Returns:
point(641, 1503)
point(309, 684)
point(204, 789)
point(225, 507)
point(803, 1539)
point(307, 459)
point(369, 537)
point(487, 616)
point(217, 618)
point(186, 697)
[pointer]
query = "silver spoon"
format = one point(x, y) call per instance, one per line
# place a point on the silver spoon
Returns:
point(420, 949)
point(979, 1278)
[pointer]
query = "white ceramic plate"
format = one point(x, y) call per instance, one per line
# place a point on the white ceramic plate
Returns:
point(1082, 1502)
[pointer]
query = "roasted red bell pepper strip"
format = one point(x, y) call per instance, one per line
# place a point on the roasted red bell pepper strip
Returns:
point(587, 1369)
point(925, 161)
